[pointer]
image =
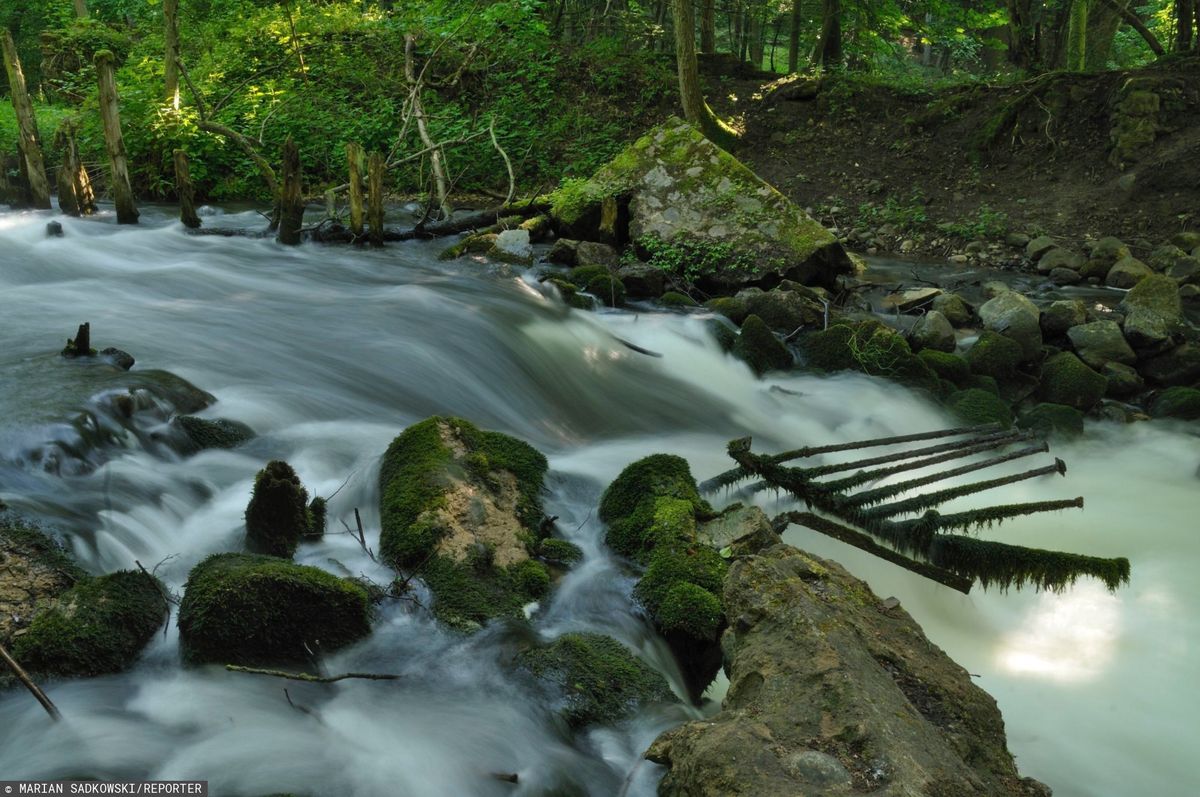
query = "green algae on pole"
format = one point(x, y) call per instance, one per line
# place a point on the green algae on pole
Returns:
point(110, 115)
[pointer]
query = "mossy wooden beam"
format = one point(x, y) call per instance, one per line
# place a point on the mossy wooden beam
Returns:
point(953, 452)
point(919, 502)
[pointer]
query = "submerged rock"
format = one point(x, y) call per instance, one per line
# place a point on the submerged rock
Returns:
point(252, 609)
point(597, 678)
point(463, 507)
point(675, 190)
point(201, 434)
point(833, 692)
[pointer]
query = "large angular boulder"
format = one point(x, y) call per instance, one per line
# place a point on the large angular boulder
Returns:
point(833, 691)
point(1062, 315)
point(676, 193)
point(1017, 318)
point(1101, 342)
point(933, 331)
point(1153, 311)
point(1066, 380)
point(1127, 272)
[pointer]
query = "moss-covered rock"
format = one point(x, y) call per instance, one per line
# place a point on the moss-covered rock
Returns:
point(1053, 420)
point(34, 570)
point(869, 347)
point(1017, 318)
point(758, 347)
point(675, 565)
point(249, 609)
point(570, 294)
point(950, 367)
point(723, 332)
point(731, 307)
point(278, 515)
point(463, 506)
point(559, 552)
point(98, 626)
point(981, 382)
point(607, 288)
point(975, 406)
point(676, 187)
point(1066, 380)
point(1153, 311)
point(203, 433)
point(1177, 402)
point(786, 310)
point(599, 679)
point(994, 355)
point(654, 496)
point(676, 299)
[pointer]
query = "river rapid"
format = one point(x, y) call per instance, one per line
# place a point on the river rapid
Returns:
point(329, 352)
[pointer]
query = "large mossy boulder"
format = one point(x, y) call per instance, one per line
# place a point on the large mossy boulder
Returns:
point(651, 501)
point(253, 609)
point(1012, 315)
point(1153, 311)
point(1177, 402)
point(976, 406)
point(1053, 420)
point(1101, 342)
point(598, 679)
point(279, 515)
point(758, 347)
point(869, 347)
point(34, 570)
point(994, 355)
point(676, 192)
point(933, 331)
point(1066, 380)
point(98, 626)
point(463, 508)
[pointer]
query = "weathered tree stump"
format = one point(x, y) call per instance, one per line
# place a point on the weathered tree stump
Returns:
point(291, 197)
point(354, 160)
point(110, 115)
point(81, 344)
point(75, 194)
point(375, 197)
point(31, 149)
point(186, 191)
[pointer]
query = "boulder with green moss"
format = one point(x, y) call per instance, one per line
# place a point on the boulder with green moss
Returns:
point(98, 626)
point(600, 282)
point(1177, 402)
point(200, 434)
point(950, 367)
point(1015, 317)
point(559, 552)
point(279, 514)
point(933, 331)
point(462, 507)
point(596, 678)
point(994, 355)
point(869, 347)
point(253, 609)
point(758, 347)
point(784, 310)
point(732, 307)
point(652, 499)
point(1053, 420)
point(676, 299)
point(1066, 380)
point(675, 188)
point(34, 570)
point(1153, 311)
point(976, 406)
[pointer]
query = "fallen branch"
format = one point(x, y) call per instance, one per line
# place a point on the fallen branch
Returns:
point(315, 679)
point(24, 678)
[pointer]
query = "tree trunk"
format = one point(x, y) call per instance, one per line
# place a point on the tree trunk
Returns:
point(186, 191)
point(31, 148)
point(75, 195)
point(775, 39)
point(171, 52)
point(354, 160)
point(1184, 11)
point(110, 115)
point(418, 109)
point(794, 37)
point(757, 51)
point(375, 196)
point(739, 34)
point(695, 109)
point(744, 45)
point(291, 196)
point(1077, 36)
point(81, 9)
point(1021, 49)
point(829, 47)
point(708, 27)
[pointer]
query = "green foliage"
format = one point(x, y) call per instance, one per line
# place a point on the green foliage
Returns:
point(986, 224)
point(277, 515)
point(689, 259)
point(249, 609)
point(98, 626)
point(905, 214)
point(602, 681)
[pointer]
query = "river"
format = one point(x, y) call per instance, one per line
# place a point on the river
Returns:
point(329, 352)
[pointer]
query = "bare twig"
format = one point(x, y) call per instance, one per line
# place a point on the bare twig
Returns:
point(315, 679)
point(24, 678)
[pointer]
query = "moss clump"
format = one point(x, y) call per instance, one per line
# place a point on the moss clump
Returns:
point(871, 348)
point(582, 275)
point(467, 595)
point(649, 499)
point(1066, 380)
point(1177, 402)
point(570, 294)
point(760, 349)
point(731, 307)
point(601, 680)
point(692, 610)
point(278, 515)
point(1053, 420)
point(417, 470)
point(829, 350)
point(981, 382)
point(202, 433)
point(671, 587)
point(976, 406)
point(251, 609)
point(98, 626)
point(559, 552)
point(725, 334)
point(676, 299)
point(607, 289)
point(950, 367)
point(994, 355)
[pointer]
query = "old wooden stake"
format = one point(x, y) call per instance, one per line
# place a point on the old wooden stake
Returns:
point(110, 115)
point(186, 191)
point(31, 150)
point(375, 197)
point(34, 689)
point(354, 159)
point(291, 198)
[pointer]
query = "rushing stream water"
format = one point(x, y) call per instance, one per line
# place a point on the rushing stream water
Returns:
point(328, 352)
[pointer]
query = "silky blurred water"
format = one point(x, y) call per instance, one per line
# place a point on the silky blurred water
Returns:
point(328, 352)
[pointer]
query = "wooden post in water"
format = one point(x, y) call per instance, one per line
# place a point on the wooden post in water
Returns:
point(375, 197)
point(75, 195)
point(186, 191)
point(291, 199)
point(110, 115)
point(31, 150)
point(354, 159)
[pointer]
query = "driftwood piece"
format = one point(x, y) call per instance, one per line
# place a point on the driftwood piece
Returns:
point(186, 191)
point(28, 683)
point(315, 679)
point(110, 115)
point(27, 140)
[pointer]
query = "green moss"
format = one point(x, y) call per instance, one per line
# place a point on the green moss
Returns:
point(950, 367)
point(1177, 402)
point(675, 299)
point(247, 609)
point(1066, 380)
point(731, 307)
point(570, 294)
point(601, 680)
point(1053, 420)
point(976, 406)
point(559, 552)
point(469, 594)
point(416, 472)
point(607, 289)
point(317, 511)
point(202, 433)
point(726, 336)
point(98, 626)
point(829, 349)
point(39, 548)
point(637, 490)
point(278, 514)
point(691, 610)
point(673, 565)
point(760, 349)
point(994, 355)
point(582, 275)
point(981, 382)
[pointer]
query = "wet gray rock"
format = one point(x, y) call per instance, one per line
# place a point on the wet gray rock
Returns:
point(835, 692)
point(1185, 270)
point(1127, 272)
point(1061, 316)
point(54, 229)
point(933, 331)
point(1123, 380)
point(1059, 258)
point(590, 253)
point(954, 308)
point(122, 359)
point(743, 529)
point(1064, 276)
point(642, 281)
point(785, 311)
point(1039, 246)
point(1017, 318)
point(1101, 342)
point(1153, 311)
point(1179, 366)
point(512, 246)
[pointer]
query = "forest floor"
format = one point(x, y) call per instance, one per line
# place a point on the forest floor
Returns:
point(1074, 156)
